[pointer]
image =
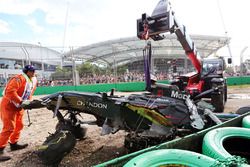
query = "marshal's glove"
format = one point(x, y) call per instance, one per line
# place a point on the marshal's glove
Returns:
point(25, 103)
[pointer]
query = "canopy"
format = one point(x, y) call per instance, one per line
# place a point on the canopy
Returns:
point(121, 51)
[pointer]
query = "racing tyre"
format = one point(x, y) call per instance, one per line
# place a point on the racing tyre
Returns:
point(77, 130)
point(171, 157)
point(56, 147)
point(243, 110)
point(246, 122)
point(224, 143)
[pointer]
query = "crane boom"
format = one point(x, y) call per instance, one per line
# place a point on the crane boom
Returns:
point(163, 20)
point(209, 75)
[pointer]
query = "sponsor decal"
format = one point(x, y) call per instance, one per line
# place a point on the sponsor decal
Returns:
point(80, 103)
point(92, 104)
point(177, 95)
point(162, 99)
point(97, 105)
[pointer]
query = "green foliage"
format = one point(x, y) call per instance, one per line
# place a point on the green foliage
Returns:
point(85, 69)
point(229, 70)
point(88, 69)
point(122, 69)
point(62, 74)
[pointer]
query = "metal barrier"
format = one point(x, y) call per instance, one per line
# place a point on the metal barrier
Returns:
point(123, 87)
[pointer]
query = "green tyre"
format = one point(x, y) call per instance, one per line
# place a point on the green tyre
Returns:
point(246, 122)
point(217, 141)
point(170, 157)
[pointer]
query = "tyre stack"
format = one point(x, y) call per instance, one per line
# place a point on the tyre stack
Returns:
point(224, 147)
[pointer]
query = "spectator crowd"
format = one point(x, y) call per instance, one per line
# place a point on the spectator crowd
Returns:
point(96, 79)
point(110, 78)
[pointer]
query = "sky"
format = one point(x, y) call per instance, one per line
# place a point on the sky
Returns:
point(60, 24)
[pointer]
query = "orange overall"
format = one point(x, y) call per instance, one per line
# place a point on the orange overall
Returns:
point(19, 88)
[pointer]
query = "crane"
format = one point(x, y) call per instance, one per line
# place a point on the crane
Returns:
point(208, 75)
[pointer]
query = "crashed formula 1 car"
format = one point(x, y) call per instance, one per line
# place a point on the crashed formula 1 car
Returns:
point(148, 119)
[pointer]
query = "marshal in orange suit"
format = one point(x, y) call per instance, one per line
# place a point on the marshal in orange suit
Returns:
point(18, 92)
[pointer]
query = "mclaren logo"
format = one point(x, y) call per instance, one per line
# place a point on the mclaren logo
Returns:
point(177, 95)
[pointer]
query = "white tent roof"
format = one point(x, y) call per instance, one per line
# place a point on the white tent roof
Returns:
point(29, 52)
point(125, 50)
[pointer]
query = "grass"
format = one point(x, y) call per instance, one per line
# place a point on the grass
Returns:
point(240, 86)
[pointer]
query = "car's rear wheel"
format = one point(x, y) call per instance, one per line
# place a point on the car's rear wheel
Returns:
point(56, 147)
point(77, 130)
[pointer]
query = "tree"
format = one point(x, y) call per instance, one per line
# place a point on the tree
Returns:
point(85, 69)
point(62, 74)
point(229, 70)
point(122, 69)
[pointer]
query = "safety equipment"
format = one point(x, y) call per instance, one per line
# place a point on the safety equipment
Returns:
point(28, 68)
point(16, 146)
point(25, 103)
point(3, 155)
point(24, 88)
point(171, 157)
point(18, 89)
point(246, 121)
point(214, 141)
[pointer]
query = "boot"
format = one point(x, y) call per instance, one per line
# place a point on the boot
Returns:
point(3, 155)
point(16, 146)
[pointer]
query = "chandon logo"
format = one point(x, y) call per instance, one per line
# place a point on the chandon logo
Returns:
point(91, 104)
point(98, 105)
point(80, 103)
point(178, 95)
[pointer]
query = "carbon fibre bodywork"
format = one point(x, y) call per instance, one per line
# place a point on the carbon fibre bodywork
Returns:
point(148, 119)
point(122, 112)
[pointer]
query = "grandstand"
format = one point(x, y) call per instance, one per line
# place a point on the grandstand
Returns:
point(112, 53)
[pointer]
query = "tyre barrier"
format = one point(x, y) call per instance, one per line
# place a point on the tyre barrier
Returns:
point(56, 146)
point(215, 145)
point(234, 139)
point(170, 157)
point(246, 122)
